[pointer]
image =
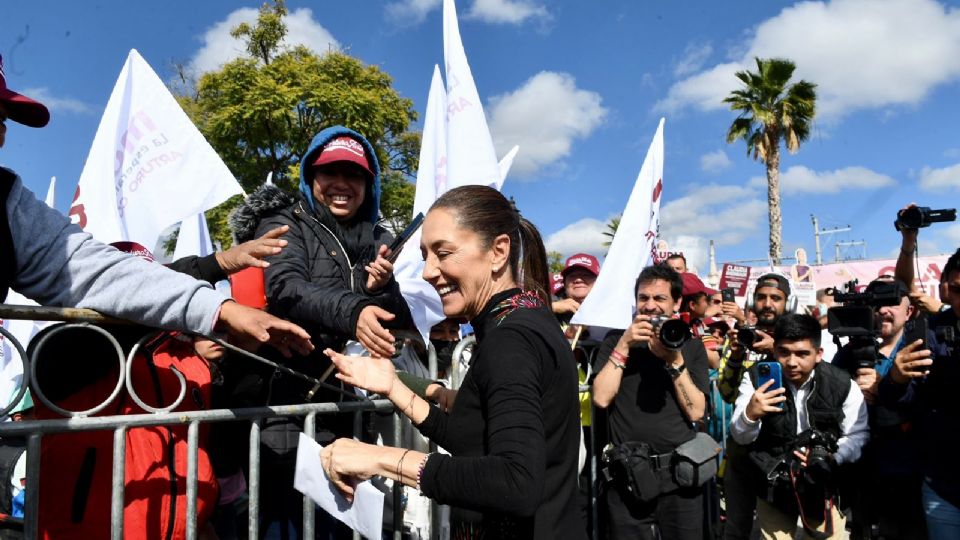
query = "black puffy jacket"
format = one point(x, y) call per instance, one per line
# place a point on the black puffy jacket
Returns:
point(312, 282)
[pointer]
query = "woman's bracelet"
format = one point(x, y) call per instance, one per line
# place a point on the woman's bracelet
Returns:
point(423, 465)
point(400, 465)
point(409, 406)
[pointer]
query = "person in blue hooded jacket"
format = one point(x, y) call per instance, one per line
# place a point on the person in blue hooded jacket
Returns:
point(332, 278)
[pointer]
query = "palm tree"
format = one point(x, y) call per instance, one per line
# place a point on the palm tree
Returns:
point(611, 231)
point(771, 111)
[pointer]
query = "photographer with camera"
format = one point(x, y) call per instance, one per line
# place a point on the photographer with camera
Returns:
point(924, 379)
point(798, 434)
point(745, 346)
point(886, 481)
point(653, 379)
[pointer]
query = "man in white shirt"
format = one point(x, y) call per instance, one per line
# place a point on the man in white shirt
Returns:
point(814, 397)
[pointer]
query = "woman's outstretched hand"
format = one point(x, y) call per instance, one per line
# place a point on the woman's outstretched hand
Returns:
point(371, 373)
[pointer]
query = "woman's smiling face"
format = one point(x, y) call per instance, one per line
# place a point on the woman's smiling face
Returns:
point(459, 266)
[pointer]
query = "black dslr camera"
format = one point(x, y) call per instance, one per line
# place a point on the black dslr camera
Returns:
point(917, 217)
point(673, 333)
point(855, 318)
point(821, 447)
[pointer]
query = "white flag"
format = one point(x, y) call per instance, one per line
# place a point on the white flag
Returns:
point(421, 297)
point(505, 165)
point(193, 238)
point(611, 301)
point(149, 166)
point(471, 158)
point(51, 192)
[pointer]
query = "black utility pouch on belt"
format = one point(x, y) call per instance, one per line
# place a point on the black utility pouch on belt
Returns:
point(695, 461)
point(640, 470)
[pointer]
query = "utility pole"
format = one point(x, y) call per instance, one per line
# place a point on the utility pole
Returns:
point(860, 243)
point(816, 236)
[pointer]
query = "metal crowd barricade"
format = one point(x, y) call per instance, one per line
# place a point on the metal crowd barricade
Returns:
point(80, 421)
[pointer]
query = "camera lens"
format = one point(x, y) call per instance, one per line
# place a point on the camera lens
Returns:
point(763, 369)
point(674, 333)
point(911, 218)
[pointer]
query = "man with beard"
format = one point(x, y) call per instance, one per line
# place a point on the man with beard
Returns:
point(887, 479)
point(769, 303)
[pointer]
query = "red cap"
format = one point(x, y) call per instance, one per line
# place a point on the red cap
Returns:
point(134, 248)
point(344, 149)
point(582, 260)
point(556, 283)
point(716, 321)
point(20, 108)
point(693, 285)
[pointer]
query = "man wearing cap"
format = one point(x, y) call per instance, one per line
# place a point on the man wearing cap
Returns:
point(769, 303)
point(887, 479)
point(332, 278)
point(48, 259)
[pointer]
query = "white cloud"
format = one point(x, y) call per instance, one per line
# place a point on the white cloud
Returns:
point(800, 179)
point(584, 236)
point(57, 104)
point(219, 47)
point(543, 116)
point(860, 53)
point(695, 249)
point(952, 234)
point(412, 11)
point(693, 58)
point(724, 213)
point(490, 11)
point(714, 162)
point(506, 11)
point(939, 179)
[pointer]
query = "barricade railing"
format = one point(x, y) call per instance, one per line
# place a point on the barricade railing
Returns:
point(81, 421)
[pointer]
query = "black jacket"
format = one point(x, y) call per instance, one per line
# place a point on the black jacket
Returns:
point(312, 282)
point(824, 412)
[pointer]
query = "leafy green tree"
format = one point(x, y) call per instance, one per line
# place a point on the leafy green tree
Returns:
point(555, 261)
point(772, 111)
point(260, 112)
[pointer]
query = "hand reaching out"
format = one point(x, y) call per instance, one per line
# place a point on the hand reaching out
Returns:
point(252, 253)
point(371, 373)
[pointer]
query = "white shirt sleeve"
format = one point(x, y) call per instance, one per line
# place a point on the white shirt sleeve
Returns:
point(742, 429)
point(854, 428)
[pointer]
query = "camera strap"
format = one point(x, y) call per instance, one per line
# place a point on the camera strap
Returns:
point(827, 511)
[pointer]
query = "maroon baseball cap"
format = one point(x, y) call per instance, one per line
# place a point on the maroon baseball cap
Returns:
point(693, 285)
point(344, 149)
point(20, 108)
point(556, 283)
point(581, 260)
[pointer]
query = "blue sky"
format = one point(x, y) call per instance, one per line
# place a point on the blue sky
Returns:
point(590, 81)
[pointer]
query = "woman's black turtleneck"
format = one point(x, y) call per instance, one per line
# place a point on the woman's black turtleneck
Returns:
point(514, 429)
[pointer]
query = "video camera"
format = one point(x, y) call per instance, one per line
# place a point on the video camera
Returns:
point(855, 318)
point(917, 217)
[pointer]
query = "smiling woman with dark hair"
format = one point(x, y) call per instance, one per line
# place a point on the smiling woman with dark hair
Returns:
point(513, 429)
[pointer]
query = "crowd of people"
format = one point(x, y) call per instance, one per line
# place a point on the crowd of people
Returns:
point(707, 418)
